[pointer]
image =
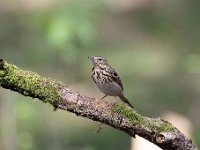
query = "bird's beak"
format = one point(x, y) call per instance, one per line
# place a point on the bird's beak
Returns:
point(91, 58)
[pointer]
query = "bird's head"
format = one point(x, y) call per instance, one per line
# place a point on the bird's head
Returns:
point(98, 60)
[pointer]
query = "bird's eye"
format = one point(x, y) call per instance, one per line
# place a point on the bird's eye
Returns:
point(100, 59)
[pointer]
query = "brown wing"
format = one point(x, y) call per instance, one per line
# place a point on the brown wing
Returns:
point(115, 77)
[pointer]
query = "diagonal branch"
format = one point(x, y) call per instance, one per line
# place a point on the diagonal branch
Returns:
point(119, 116)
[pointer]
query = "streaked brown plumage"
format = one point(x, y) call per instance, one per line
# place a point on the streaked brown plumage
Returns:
point(107, 79)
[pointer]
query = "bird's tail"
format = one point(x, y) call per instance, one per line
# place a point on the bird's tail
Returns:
point(124, 99)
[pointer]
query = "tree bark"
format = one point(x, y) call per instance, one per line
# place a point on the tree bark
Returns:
point(117, 115)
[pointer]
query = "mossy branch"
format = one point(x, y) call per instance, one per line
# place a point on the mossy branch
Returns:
point(119, 116)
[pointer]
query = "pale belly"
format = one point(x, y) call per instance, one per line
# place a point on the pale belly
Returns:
point(112, 89)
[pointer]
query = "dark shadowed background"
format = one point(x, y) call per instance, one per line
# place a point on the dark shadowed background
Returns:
point(153, 45)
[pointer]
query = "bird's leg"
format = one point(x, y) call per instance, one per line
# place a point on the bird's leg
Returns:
point(104, 97)
point(99, 128)
point(55, 107)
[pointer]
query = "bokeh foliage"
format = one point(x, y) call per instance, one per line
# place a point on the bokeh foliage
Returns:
point(154, 47)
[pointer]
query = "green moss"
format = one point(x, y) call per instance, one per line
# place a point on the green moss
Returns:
point(167, 127)
point(155, 125)
point(129, 113)
point(29, 83)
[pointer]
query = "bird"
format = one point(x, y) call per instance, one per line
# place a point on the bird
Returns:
point(107, 79)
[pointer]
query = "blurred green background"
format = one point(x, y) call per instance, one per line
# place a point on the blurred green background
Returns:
point(153, 45)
